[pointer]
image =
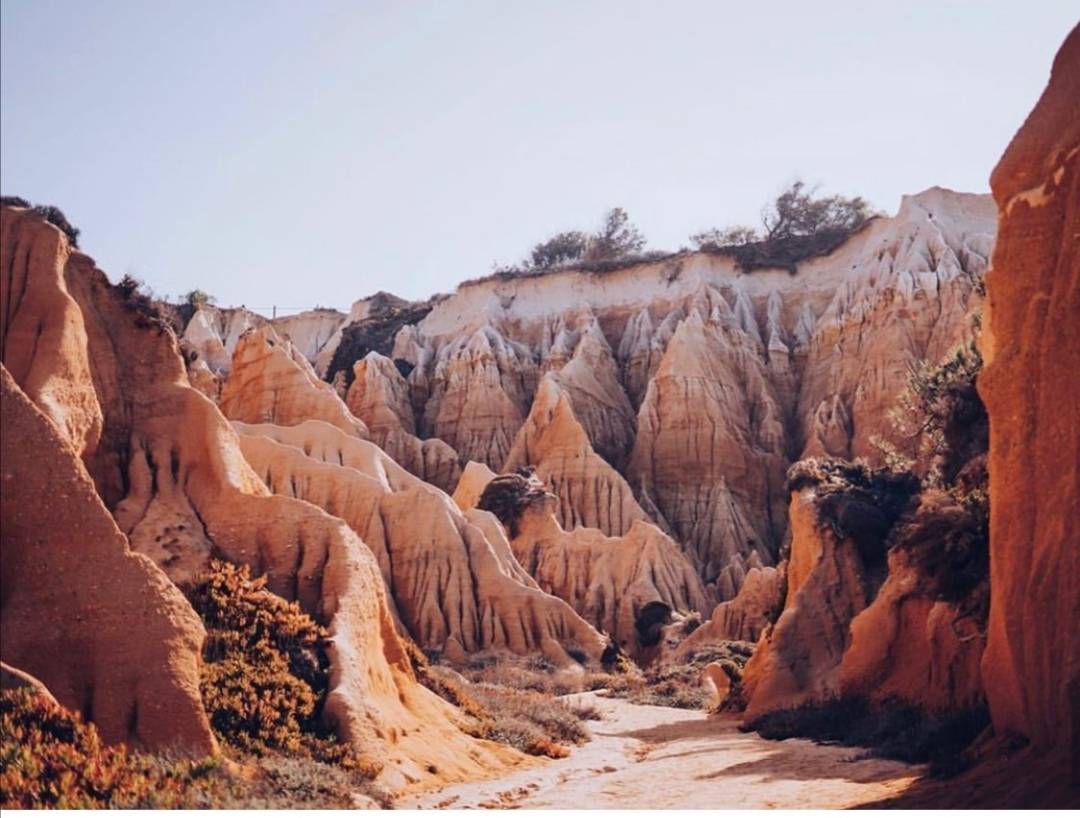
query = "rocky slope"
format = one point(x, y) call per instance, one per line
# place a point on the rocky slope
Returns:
point(106, 378)
point(853, 626)
point(916, 629)
point(271, 382)
point(211, 335)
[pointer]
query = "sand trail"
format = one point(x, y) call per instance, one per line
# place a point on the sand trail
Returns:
point(644, 757)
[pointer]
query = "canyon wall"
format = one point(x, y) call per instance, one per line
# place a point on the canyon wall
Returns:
point(691, 385)
point(1031, 387)
point(674, 391)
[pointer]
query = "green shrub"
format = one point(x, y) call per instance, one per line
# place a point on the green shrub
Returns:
point(948, 541)
point(149, 310)
point(387, 315)
point(616, 244)
point(940, 418)
point(53, 215)
point(190, 303)
point(264, 675)
point(509, 495)
point(947, 536)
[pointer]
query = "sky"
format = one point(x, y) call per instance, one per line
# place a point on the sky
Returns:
point(302, 154)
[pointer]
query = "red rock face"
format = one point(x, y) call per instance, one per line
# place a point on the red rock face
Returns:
point(1031, 388)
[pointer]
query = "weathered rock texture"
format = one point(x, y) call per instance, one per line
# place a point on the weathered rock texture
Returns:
point(625, 586)
point(474, 478)
point(861, 618)
point(695, 383)
point(709, 455)
point(798, 659)
point(905, 645)
point(1031, 347)
point(167, 465)
point(590, 492)
point(380, 397)
point(270, 382)
point(457, 589)
point(743, 618)
point(211, 335)
point(480, 387)
point(100, 626)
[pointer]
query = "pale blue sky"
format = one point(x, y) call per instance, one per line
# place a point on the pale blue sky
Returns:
point(311, 153)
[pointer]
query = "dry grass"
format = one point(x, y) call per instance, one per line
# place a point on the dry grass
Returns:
point(509, 700)
point(513, 700)
point(679, 685)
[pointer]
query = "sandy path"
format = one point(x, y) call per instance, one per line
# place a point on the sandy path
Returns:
point(659, 757)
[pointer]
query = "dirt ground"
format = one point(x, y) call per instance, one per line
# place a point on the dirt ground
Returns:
point(644, 757)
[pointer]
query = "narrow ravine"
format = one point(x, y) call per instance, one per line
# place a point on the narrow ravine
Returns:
point(644, 757)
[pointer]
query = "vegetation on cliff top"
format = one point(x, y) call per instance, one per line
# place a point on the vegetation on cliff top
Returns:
point(795, 226)
point(53, 215)
point(617, 243)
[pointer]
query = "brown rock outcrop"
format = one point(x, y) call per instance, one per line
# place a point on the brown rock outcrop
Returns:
point(474, 478)
point(576, 353)
point(479, 389)
point(625, 586)
point(1031, 349)
point(455, 590)
point(906, 300)
point(211, 335)
point(270, 382)
point(381, 398)
point(101, 627)
point(798, 659)
point(784, 366)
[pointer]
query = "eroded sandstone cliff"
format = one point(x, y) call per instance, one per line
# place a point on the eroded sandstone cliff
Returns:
point(693, 382)
point(454, 583)
point(101, 627)
point(108, 377)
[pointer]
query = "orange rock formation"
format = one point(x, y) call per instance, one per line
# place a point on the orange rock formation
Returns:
point(455, 586)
